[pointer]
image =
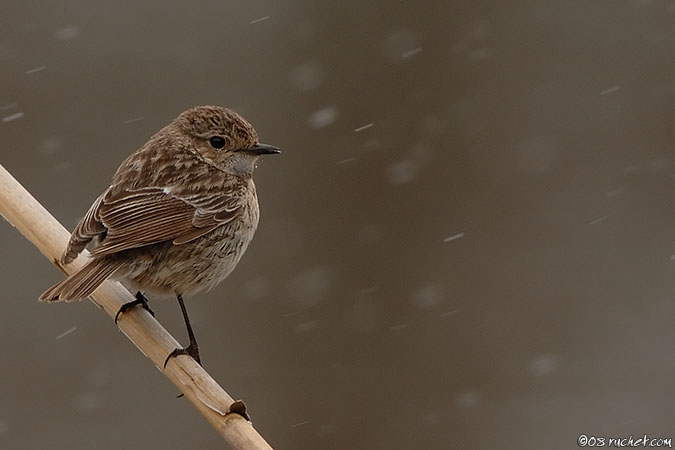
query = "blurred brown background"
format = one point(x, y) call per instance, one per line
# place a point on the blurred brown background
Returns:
point(468, 242)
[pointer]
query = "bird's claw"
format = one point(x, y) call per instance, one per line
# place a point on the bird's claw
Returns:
point(190, 350)
point(141, 300)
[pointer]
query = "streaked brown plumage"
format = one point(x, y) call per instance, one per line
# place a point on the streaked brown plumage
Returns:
point(180, 211)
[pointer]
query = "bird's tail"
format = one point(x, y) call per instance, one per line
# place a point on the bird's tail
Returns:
point(82, 283)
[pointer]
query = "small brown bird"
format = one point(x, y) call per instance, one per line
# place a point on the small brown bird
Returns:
point(178, 216)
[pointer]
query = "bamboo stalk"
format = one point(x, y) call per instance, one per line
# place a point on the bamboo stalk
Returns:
point(26, 214)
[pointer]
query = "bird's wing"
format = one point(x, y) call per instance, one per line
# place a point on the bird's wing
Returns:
point(131, 219)
point(88, 228)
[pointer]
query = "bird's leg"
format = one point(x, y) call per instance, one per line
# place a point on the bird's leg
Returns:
point(193, 348)
point(140, 300)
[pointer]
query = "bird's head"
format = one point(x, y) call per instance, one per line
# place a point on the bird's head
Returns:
point(223, 138)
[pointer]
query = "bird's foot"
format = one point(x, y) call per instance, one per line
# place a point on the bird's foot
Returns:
point(190, 350)
point(141, 300)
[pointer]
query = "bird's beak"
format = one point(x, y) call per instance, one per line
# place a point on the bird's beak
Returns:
point(263, 149)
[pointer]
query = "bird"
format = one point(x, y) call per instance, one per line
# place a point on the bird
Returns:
point(176, 219)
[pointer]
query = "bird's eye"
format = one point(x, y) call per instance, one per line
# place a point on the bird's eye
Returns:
point(217, 142)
